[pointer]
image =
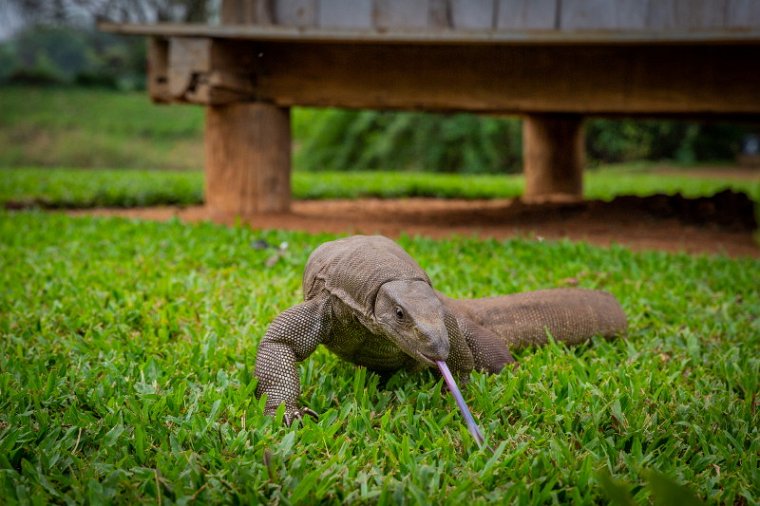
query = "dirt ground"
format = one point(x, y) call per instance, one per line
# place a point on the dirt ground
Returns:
point(722, 224)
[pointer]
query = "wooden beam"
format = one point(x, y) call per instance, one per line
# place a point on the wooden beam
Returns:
point(246, 12)
point(519, 35)
point(158, 70)
point(554, 156)
point(590, 80)
point(208, 71)
point(633, 80)
point(247, 159)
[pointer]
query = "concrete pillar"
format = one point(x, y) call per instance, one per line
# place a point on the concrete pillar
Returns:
point(247, 159)
point(554, 156)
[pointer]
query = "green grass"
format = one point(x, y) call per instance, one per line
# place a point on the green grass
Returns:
point(82, 188)
point(126, 351)
point(128, 188)
point(96, 128)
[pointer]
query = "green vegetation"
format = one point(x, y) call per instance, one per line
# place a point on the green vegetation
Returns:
point(128, 188)
point(57, 54)
point(126, 354)
point(371, 140)
point(77, 188)
point(94, 128)
point(77, 127)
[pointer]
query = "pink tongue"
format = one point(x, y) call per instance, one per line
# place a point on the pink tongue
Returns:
point(454, 389)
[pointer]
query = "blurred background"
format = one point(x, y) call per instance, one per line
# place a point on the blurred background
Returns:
point(59, 75)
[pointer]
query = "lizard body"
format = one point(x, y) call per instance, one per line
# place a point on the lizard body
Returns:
point(370, 303)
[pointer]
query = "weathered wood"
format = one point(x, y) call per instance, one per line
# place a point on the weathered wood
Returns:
point(689, 80)
point(523, 37)
point(553, 157)
point(439, 15)
point(472, 14)
point(247, 159)
point(687, 14)
point(208, 71)
point(507, 79)
point(298, 13)
point(402, 14)
point(604, 15)
point(743, 14)
point(158, 70)
point(345, 14)
point(569, 15)
point(187, 57)
point(527, 15)
point(246, 12)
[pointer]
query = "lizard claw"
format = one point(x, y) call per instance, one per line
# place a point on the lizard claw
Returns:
point(298, 414)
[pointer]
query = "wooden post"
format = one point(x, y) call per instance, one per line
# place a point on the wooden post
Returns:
point(554, 155)
point(247, 159)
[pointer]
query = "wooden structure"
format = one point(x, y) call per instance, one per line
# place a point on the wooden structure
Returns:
point(552, 61)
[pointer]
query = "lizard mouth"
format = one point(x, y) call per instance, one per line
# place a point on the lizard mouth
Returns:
point(427, 360)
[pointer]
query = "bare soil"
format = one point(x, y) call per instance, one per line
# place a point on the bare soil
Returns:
point(722, 224)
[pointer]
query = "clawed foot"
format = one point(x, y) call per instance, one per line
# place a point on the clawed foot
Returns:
point(298, 414)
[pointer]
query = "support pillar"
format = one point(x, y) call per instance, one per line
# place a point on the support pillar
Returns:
point(554, 156)
point(247, 159)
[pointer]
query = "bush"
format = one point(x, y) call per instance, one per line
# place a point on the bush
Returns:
point(368, 140)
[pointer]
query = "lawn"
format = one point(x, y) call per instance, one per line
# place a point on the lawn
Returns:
point(126, 347)
point(126, 353)
point(128, 188)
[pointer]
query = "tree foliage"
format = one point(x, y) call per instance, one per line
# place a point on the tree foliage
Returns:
point(50, 54)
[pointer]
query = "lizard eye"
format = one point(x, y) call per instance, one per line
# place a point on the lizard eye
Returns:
point(399, 313)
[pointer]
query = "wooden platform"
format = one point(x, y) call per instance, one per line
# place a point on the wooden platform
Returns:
point(550, 61)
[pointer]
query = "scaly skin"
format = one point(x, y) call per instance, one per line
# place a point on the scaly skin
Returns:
point(369, 302)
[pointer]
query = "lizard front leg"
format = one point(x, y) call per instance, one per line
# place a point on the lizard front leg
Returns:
point(291, 338)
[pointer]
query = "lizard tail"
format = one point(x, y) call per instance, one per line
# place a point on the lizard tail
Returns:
point(571, 315)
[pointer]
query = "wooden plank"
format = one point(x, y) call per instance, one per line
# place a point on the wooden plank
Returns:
point(554, 157)
point(586, 14)
point(345, 14)
point(743, 14)
point(472, 14)
point(298, 13)
point(247, 159)
point(441, 38)
point(246, 12)
point(687, 15)
point(604, 15)
point(158, 68)
point(632, 14)
point(439, 15)
point(187, 57)
point(509, 79)
point(643, 14)
point(704, 13)
point(401, 14)
point(661, 15)
point(527, 15)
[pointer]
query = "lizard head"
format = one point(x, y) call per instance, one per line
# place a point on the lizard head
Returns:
point(412, 316)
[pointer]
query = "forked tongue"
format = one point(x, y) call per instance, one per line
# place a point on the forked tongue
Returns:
point(454, 389)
